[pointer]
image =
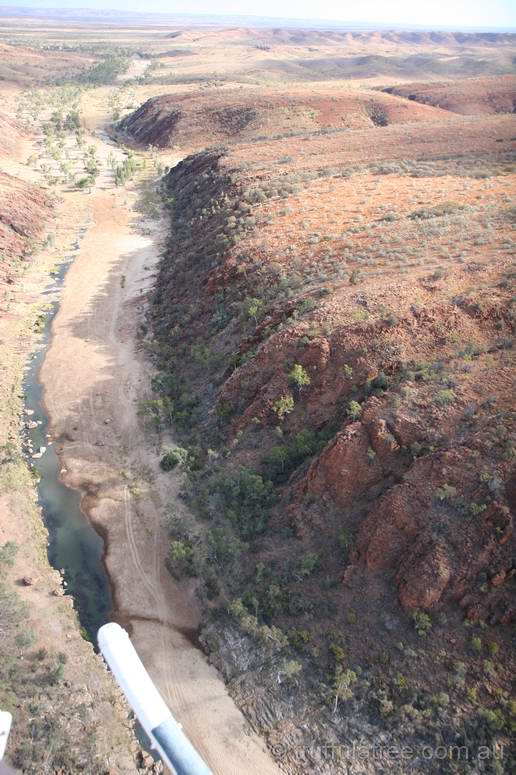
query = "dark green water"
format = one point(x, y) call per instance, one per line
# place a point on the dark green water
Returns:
point(74, 548)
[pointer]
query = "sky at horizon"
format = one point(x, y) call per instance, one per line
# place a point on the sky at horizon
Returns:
point(442, 13)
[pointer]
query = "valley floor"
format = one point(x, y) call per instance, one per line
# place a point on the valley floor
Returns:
point(95, 378)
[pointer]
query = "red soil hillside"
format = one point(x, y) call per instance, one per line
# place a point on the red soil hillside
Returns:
point(193, 122)
point(23, 65)
point(457, 136)
point(335, 337)
point(468, 96)
point(24, 211)
point(10, 133)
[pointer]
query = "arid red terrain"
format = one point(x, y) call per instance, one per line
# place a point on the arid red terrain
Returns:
point(469, 96)
point(330, 332)
point(24, 208)
point(334, 317)
point(193, 122)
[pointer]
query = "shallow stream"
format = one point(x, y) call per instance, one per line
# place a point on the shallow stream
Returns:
point(74, 547)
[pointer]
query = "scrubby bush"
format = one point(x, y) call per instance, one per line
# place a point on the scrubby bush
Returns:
point(476, 644)
point(224, 547)
point(254, 308)
point(343, 683)
point(290, 670)
point(309, 564)
point(377, 113)
point(445, 397)
point(354, 410)
point(299, 376)
point(284, 405)
point(422, 623)
point(174, 457)
point(246, 499)
point(282, 460)
point(8, 553)
point(180, 560)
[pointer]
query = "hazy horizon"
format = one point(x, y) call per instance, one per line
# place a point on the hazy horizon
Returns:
point(455, 14)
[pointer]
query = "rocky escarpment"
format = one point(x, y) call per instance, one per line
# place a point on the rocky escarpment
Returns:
point(10, 133)
point(24, 212)
point(231, 116)
point(468, 96)
point(351, 462)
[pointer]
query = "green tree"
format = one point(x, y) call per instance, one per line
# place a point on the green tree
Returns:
point(284, 405)
point(342, 685)
point(181, 559)
point(290, 670)
point(299, 376)
point(354, 410)
point(253, 308)
point(174, 457)
point(422, 623)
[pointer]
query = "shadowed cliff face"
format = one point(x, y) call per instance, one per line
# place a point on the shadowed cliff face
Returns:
point(154, 122)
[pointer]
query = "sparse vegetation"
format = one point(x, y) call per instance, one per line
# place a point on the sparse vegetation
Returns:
point(284, 405)
point(333, 342)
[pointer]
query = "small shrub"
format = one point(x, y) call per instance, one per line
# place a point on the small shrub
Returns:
point(180, 561)
point(446, 493)
point(354, 410)
point(298, 638)
point(476, 644)
point(441, 700)
point(344, 540)
point(224, 548)
point(445, 397)
point(174, 457)
point(343, 683)
point(309, 564)
point(422, 623)
point(379, 384)
point(281, 460)
point(253, 308)
point(8, 553)
point(299, 376)
point(246, 498)
point(290, 670)
point(284, 405)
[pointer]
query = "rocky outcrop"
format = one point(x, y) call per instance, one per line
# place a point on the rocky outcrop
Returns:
point(352, 438)
point(24, 211)
point(10, 133)
point(249, 115)
point(154, 122)
point(467, 96)
point(345, 470)
point(424, 574)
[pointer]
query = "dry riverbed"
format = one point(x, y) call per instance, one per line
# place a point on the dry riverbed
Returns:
point(94, 377)
point(49, 623)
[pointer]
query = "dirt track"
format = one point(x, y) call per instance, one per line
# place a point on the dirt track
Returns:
point(94, 378)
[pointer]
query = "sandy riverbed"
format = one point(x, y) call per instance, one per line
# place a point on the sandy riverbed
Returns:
point(94, 377)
